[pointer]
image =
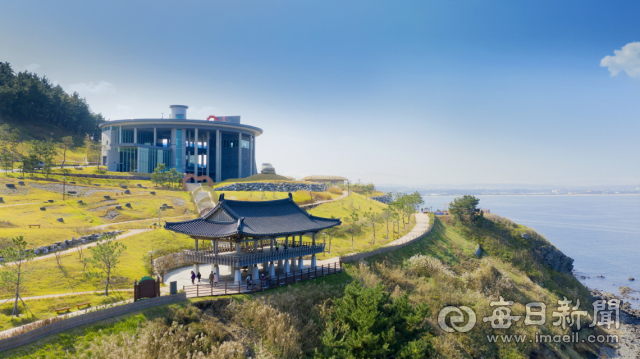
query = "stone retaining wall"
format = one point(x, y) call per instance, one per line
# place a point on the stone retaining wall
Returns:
point(162, 265)
point(87, 318)
point(90, 175)
point(273, 187)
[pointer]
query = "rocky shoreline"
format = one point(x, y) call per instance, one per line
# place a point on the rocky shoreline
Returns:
point(628, 345)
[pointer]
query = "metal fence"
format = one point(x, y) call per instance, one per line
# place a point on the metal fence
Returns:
point(241, 287)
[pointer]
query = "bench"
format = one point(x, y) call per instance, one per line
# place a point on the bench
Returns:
point(65, 309)
point(34, 225)
point(83, 304)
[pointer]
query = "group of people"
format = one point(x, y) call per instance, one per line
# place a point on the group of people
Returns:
point(265, 280)
point(213, 278)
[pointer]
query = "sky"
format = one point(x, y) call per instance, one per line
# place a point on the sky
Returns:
point(391, 92)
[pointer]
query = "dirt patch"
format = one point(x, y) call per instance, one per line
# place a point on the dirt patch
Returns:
point(111, 214)
point(179, 202)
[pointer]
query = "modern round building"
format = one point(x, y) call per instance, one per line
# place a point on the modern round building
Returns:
point(218, 147)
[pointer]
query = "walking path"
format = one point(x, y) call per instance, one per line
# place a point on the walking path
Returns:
point(9, 332)
point(68, 294)
point(131, 232)
point(19, 204)
point(312, 205)
point(103, 226)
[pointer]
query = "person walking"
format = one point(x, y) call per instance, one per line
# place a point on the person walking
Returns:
point(277, 246)
point(211, 279)
point(193, 278)
point(199, 276)
point(248, 281)
point(215, 279)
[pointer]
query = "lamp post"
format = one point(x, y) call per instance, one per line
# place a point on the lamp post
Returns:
point(160, 217)
point(64, 187)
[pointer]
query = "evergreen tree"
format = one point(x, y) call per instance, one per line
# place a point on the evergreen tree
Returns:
point(367, 323)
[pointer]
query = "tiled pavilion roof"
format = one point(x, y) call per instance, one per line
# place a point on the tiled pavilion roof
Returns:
point(239, 219)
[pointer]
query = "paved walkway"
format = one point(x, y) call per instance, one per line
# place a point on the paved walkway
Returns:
point(20, 204)
point(67, 294)
point(9, 332)
point(313, 205)
point(422, 224)
point(103, 226)
point(130, 233)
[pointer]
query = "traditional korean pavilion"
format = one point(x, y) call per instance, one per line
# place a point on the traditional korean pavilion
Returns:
point(245, 233)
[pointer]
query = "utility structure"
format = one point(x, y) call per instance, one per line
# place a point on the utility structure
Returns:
point(245, 233)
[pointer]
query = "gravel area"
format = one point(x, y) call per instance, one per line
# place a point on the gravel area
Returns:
point(80, 190)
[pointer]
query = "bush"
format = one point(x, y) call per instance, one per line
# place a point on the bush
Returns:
point(321, 196)
point(334, 190)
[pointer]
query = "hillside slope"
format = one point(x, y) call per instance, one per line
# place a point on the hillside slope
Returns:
point(301, 320)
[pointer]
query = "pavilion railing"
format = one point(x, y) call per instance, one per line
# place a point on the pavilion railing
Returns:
point(242, 287)
point(250, 259)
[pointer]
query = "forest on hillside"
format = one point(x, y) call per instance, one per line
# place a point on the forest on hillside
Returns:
point(29, 99)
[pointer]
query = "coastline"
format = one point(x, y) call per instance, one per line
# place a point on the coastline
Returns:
point(628, 345)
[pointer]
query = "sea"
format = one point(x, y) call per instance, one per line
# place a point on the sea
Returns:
point(600, 232)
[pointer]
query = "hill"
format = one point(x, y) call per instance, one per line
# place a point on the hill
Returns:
point(386, 305)
point(41, 109)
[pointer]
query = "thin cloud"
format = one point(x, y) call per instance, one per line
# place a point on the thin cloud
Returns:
point(100, 87)
point(626, 59)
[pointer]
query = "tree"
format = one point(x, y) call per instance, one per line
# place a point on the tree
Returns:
point(465, 208)
point(66, 144)
point(16, 260)
point(353, 226)
point(175, 177)
point(159, 176)
point(29, 163)
point(105, 256)
point(372, 218)
point(45, 151)
point(367, 323)
point(386, 215)
point(9, 139)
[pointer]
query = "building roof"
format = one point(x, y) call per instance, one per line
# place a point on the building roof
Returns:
point(253, 219)
point(324, 178)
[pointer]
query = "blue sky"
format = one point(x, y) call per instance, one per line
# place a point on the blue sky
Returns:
point(411, 92)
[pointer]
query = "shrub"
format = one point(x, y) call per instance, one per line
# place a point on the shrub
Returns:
point(334, 190)
point(321, 196)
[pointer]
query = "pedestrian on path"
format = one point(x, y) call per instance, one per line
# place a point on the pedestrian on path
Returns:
point(193, 278)
point(199, 277)
point(248, 282)
point(211, 279)
point(215, 279)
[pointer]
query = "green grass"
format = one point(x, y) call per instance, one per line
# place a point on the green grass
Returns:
point(57, 345)
point(46, 277)
point(80, 218)
point(43, 308)
point(363, 241)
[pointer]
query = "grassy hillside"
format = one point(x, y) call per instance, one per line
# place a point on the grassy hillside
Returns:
point(297, 321)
